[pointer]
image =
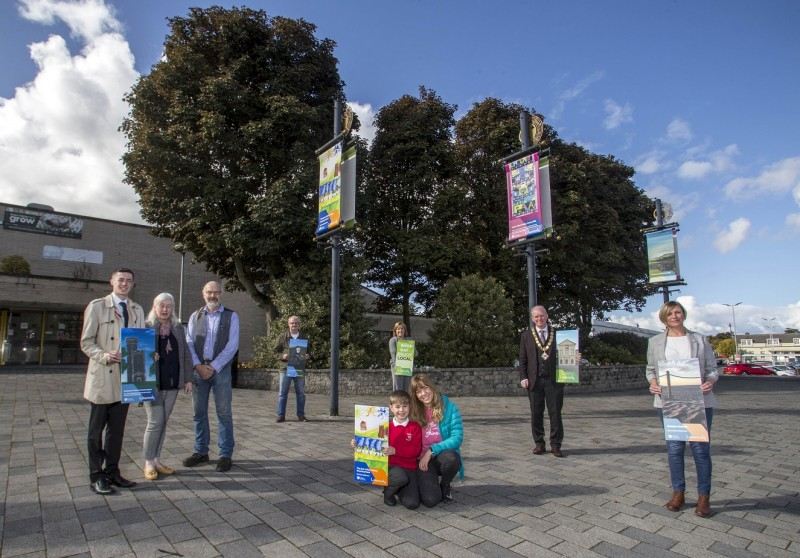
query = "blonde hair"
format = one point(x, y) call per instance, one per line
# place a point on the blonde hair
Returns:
point(400, 396)
point(662, 314)
point(418, 414)
point(399, 324)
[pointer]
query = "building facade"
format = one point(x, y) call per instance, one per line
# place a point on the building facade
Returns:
point(777, 348)
point(71, 259)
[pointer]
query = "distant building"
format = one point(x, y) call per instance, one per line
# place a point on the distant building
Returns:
point(776, 347)
point(71, 258)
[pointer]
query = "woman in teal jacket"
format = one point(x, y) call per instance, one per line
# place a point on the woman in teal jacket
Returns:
point(442, 435)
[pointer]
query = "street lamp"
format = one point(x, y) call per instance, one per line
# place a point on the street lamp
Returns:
point(735, 341)
point(769, 321)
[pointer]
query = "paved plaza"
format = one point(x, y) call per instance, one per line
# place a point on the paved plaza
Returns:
point(291, 494)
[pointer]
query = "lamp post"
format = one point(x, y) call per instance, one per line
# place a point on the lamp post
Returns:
point(735, 341)
point(769, 321)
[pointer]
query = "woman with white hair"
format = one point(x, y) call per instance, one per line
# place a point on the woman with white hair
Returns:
point(173, 373)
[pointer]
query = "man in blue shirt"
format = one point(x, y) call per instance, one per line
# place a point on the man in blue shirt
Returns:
point(213, 338)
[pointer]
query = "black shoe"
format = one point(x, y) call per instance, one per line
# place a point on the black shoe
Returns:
point(101, 487)
point(195, 459)
point(224, 464)
point(388, 497)
point(447, 494)
point(302, 418)
point(122, 482)
point(280, 419)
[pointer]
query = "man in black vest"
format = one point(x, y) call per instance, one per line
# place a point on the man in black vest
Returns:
point(537, 374)
point(213, 338)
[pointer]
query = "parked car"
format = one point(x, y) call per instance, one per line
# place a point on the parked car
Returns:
point(782, 370)
point(742, 369)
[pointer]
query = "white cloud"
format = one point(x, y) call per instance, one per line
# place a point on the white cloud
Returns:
point(733, 236)
point(86, 19)
point(778, 178)
point(617, 115)
point(573, 93)
point(719, 161)
point(679, 130)
point(715, 317)
point(694, 169)
point(59, 138)
point(793, 222)
point(366, 116)
point(650, 163)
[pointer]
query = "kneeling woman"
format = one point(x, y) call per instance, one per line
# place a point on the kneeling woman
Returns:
point(442, 435)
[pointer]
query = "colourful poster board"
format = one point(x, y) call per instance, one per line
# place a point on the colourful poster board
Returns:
point(138, 366)
point(371, 465)
point(330, 189)
point(662, 256)
point(682, 399)
point(296, 364)
point(404, 358)
point(567, 350)
point(524, 198)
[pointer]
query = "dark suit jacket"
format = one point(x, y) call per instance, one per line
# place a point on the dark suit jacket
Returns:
point(530, 365)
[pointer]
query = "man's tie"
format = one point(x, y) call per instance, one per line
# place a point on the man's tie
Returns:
point(542, 337)
point(124, 314)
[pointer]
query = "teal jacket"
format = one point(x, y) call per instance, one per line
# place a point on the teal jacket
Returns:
point(452, 430)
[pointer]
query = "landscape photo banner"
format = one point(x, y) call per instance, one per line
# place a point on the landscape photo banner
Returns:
point(524, 198)
point(371, 465)
point(662, 256)
point(296, 364)
point(682, 399)
point(330, 189)
point(138, 367)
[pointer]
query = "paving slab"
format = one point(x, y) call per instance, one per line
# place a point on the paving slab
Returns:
point(291, 490)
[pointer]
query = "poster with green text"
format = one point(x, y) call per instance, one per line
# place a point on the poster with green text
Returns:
point(404, 358)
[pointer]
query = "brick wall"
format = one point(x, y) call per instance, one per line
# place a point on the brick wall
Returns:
point(452, 381)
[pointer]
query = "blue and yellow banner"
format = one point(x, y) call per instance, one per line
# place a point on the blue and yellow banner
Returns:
point(371, 465)
point(330, 189)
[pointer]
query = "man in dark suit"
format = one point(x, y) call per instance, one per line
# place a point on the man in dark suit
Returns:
point(537, 374)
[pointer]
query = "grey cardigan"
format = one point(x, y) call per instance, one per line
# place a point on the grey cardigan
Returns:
point(700, 349)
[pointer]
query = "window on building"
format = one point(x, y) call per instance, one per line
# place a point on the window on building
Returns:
point(773, 341)
point(746, 342)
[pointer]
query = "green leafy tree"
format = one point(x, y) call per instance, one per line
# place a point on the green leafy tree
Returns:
point(305, 292)
point(479, 205)
point(15, 265)
point(411, 162)
point(474, 325)
point(599, 262)
point(726, 347)
point(221, 139)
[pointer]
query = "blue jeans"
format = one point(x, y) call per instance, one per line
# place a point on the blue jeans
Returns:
point(283, 393)
point(220, 384)
point(702, 460)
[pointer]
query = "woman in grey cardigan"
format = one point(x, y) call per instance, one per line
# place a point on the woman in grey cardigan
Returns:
point(174, 373)
point(678, 343)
